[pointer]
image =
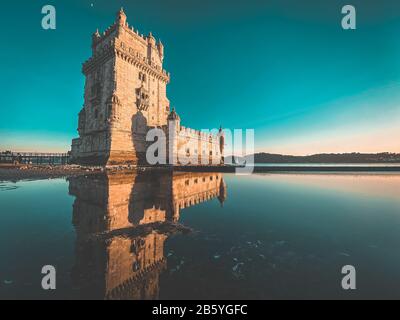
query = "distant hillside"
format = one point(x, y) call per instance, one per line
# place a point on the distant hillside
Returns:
point(384, 157)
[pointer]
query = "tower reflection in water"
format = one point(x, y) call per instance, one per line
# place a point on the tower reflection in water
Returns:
point(121, 221)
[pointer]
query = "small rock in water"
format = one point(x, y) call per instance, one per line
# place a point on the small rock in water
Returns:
point(8, 282)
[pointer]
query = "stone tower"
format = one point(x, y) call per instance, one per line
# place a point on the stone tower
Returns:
point(124, 96)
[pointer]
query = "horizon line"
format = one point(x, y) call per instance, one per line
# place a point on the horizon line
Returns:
point(18, 150)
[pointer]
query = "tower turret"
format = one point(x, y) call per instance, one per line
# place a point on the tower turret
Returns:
point(221, 143)
point(174, 119)
point(173, 116)
point(160, 48)
point(222, 192)
point(151, 40)
point(121, 17)
point(95, 38)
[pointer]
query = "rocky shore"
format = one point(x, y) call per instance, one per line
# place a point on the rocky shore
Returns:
point(37, 172)
point(9, 172)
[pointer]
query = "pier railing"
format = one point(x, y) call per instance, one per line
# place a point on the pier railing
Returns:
point(34, 158)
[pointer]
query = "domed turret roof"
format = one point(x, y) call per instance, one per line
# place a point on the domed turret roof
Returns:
point(173, 115)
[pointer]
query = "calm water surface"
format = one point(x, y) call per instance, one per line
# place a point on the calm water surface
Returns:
point(327, 164)
point(263, 236)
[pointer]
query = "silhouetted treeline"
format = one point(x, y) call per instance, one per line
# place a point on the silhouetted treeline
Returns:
point(384, 157)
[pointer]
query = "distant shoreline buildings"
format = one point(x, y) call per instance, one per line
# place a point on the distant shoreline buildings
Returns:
point(125, 96)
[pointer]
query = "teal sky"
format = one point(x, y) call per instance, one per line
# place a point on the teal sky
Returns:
point(284, 68)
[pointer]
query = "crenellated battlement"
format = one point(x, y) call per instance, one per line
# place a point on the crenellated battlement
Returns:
point(120, 34)
point(198, 133)
point(117, 48)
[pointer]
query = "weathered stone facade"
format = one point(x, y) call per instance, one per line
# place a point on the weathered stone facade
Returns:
point(119, 250)
point(124, 97)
